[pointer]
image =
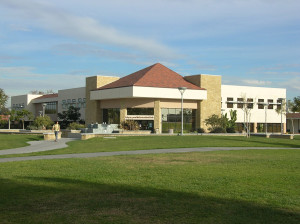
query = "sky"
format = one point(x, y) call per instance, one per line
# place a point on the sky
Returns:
point(55, 44)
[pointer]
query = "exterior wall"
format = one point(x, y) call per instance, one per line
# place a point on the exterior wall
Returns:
point(146, 92)
point(157, 116)
point(128, 103)
point(77, 94)
point(39, 109)
point(169, 103)
point(93, 111)
point(25, 101)
point(211, 105)
point(257, 115)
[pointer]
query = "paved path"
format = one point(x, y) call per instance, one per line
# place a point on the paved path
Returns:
point(136, 152)
point(38, 146)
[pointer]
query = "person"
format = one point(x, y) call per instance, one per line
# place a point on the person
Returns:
point(56, 129)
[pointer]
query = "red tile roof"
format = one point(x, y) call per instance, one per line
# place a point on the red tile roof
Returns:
point(53, 95)
point(156, 75)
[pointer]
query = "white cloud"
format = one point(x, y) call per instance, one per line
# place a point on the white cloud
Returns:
point(48, 17)
point(256, 82)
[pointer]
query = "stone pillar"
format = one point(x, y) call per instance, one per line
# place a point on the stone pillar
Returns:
point(212, 105)
point(157, 116)
point(255, 127)
point(123, 113)
point(284, 128)
point(93, 112)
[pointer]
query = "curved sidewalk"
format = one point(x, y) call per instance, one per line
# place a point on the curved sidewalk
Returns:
point(136, 152)
point(38, 146)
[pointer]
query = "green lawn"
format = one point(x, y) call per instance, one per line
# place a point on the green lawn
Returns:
point(10, 141)
point(253, 186)
point(161, 142)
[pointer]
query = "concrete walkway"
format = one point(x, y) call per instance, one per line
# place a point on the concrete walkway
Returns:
point(38, 146)
point(136, 152)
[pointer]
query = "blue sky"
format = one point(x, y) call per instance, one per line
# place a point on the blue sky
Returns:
point(56, 44)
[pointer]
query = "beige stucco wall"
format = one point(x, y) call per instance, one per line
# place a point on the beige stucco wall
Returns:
point(157, 116)
point(212, 105)
point(93, 112)
point(128, 103)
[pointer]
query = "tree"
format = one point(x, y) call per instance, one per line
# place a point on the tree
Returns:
point(41, 122)
point(230, 124)
point(21, 115)
point(3, 100)
point(69, 116)
point(295, 104)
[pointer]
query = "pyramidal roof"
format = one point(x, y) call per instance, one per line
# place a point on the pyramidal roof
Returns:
point(156, 75)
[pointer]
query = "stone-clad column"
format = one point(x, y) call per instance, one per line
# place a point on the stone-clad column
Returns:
point(157, 116)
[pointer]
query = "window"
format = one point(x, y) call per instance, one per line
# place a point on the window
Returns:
point(171, 119)
point(79, 100)
point(140, 111)
point(73, 101)
point(250, 103)
point(240, 102)
point(229, 102)
point(270, 102)
point(261, 103)
point(51, 108)
point(111, 116)
point(279, 102)
point(68, 100)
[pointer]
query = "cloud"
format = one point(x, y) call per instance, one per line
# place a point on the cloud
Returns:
point(50, 18)
point(19, 28)
point(256, 82)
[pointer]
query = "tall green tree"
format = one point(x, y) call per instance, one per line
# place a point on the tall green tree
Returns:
point(3, 100)
point(69, 116)
point(21, 115)
point(295, 104)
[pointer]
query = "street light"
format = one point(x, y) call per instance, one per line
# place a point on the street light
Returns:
point(281, 102)
point(44, 107)
point(181, 90)
point(266, 125)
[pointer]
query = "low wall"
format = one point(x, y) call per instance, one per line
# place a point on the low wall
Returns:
point(51, 136)
point(286, 136)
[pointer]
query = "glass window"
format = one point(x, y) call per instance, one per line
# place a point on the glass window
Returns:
point(140, 111)
point(111, 116)
point(51, 108)
point(79, 100)
point(261, 103)
point(250, 103)
point(69, 100)
point(229, 105)
point(240, 102)
point(73, 100)
point(270, 104)
point(279, 104)
point(171, 119)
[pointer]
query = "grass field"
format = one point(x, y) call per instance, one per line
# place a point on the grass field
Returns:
point(8, 141)
point(161, 142)
point(253, 186)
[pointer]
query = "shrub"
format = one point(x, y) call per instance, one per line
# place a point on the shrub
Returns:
point(41, 122)
point(75, 126)
point(200, 130)
point(130, 125)
point(230, 130)
point(218, 130)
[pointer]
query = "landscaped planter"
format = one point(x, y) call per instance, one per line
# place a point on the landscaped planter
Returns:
point(136, 132)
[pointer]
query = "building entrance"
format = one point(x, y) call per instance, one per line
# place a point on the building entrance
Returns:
point(146, 124)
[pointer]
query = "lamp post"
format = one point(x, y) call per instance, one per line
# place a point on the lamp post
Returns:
point(44, 107)
point(281, 103)
point(266, 125)
point(181, 90)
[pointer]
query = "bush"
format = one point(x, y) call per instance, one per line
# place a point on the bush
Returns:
point(218, 130)
point(41, 122)
point(200, 130)
point(75, 126)
point(130, 125)
point(230, 130)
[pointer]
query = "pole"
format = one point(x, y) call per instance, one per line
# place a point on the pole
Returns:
point(266, 126)
point(281, 118)
point(181, 113)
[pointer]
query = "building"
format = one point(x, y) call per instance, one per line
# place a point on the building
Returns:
point(293, 123)
point(151, 97)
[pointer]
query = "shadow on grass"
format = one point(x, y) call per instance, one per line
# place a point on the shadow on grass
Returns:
point(58, 200)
